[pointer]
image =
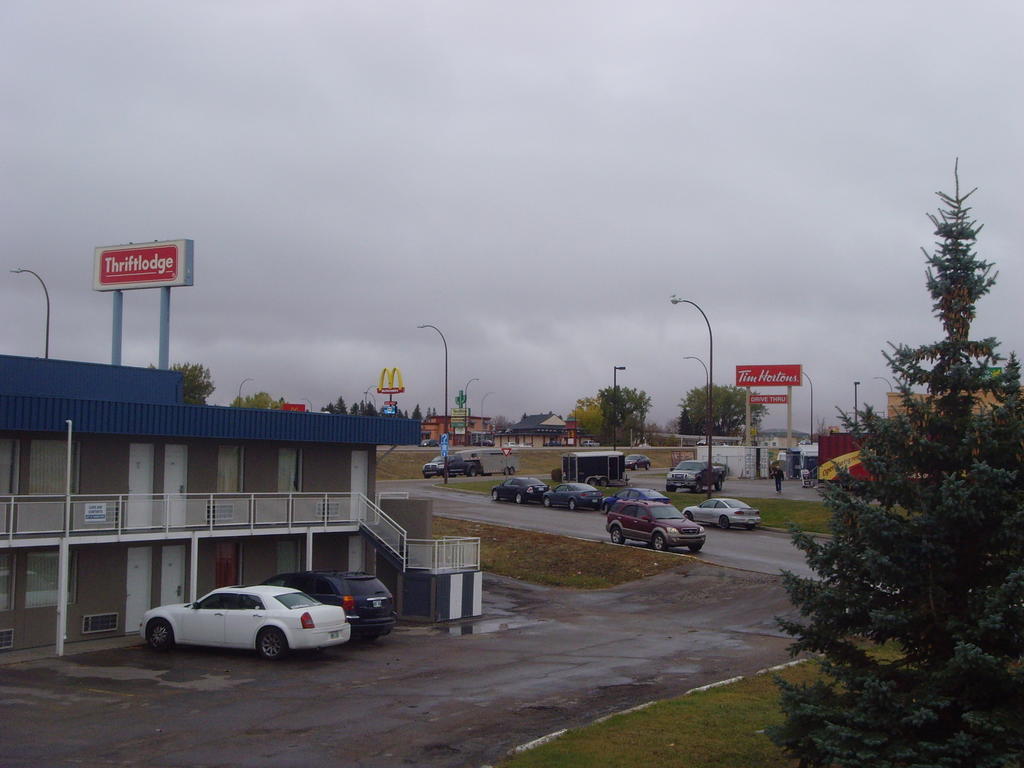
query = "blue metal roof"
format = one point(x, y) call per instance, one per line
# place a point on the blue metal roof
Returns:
point(50, 414)
point(93, 381)
point(38, 395)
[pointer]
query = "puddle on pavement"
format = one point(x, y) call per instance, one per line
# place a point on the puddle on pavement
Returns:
point(488, 626)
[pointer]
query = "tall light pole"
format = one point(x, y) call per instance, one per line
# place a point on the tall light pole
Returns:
point(855, 385)
point(445, 422)
point(239, 398)
point(811, 433)
point(615, 401)
point(482, 401)
point(46, 353)
point(469, 413)
point(707, 375)
point(889, 384)
point(711, 368)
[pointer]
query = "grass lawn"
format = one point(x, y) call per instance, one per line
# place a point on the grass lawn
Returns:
point(717, 728)
point(558, 561)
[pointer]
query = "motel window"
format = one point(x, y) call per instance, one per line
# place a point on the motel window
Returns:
point(8, 466)
point(41, 578)
point(47, 467)
point(6, 582)
point(229, 469)
point(289, 470)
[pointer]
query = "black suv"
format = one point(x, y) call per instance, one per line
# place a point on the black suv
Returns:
point(369, 605)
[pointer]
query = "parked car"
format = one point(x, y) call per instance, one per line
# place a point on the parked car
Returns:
point(434, 467)
point(573, 495)
point(429, 443)
point(369, 605)
point(632, 494)
point(691, 475)
point(725, 512)
point(589, 444)
point(637, 461)
point(520, 490)
point(660, 525)
point(273, 620)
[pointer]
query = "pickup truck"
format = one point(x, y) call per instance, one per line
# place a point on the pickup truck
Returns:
point(691, 474)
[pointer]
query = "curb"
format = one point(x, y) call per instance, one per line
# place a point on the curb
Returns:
point(554, 735)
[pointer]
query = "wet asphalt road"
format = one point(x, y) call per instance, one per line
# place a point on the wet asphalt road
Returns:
point(541, 659)
point(759, 550)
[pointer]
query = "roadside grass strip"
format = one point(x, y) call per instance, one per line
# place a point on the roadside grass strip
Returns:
point(559, 561)
point(715, 726)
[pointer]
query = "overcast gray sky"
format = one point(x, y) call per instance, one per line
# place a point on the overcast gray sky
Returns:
point(534, 178)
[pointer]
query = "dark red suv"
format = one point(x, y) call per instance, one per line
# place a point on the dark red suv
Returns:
point(659, 524)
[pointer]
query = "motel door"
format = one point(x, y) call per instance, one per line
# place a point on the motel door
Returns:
point(225, 564)
point(140, 485)
point(175, 479)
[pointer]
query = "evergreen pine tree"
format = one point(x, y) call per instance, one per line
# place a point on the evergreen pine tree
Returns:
point(918, 609)
point(416, 414)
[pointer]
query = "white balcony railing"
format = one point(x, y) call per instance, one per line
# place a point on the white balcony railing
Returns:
point(29, 517)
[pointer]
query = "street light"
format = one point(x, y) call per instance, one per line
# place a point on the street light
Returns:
point(18, 271)
point(855, 385)
point(706, 374)
point(445, 422)
point(812, 401)
point(239, 398)
point(888, 383)
point(482, 411)
point(469, 420)
point(615, 401)
point(711, 367)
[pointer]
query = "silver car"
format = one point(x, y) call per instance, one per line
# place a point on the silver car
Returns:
point(725, 513)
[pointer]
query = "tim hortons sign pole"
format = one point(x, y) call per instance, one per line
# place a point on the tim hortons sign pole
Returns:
point(788, 376)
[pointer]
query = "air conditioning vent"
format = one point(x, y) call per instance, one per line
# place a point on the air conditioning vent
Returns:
point(99, 622)
point(6, 639)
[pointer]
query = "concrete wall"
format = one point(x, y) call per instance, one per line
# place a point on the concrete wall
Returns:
point(415, 515)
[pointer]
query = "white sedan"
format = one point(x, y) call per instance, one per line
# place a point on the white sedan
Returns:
point(725, 512)
point(273, 620)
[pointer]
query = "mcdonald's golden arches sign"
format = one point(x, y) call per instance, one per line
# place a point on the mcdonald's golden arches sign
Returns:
point(393, 377)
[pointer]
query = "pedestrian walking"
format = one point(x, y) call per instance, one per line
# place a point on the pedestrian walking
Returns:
point(777, 476)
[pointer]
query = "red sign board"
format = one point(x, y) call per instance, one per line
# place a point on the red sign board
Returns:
point(155, 265)
point(768, 375)
point(293, 407)
point(768, 399)
point(507, 451)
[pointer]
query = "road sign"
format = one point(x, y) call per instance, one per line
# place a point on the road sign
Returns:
point(444, 444)
point(507, 451)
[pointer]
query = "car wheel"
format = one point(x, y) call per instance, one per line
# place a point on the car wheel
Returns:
point(616, 534)
point(723, 522)
point(695, 547)
point(658, 542)
point(688, 515)
point(670, 489)
point(546, 502)
point(494, 495)
point(159, 635)
point(519, 498)
point(572, 504)
point(471, 472)
point(272, 644)
point(718, 485)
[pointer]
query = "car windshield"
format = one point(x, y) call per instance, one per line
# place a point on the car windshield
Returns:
point(436, 460)
point(665, 512)
point(649, 493)
point(361, 586)
point(691, 465)
point(296, 600)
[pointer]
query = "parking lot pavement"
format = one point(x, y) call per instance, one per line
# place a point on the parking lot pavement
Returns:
point(453, 695)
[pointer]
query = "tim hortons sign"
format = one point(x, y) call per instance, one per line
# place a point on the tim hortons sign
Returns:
point(153, 265)
point(768, 375)
point(768, 399)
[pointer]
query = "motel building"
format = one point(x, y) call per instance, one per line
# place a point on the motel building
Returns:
point(115, 491)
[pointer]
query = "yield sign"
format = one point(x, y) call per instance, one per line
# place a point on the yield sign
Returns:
point(507, 451)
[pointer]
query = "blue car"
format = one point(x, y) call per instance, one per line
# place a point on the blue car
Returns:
point(573, 495)
point(634, 494)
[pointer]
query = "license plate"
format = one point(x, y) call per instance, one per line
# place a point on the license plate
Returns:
point(335, 635)
point(375, 603)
